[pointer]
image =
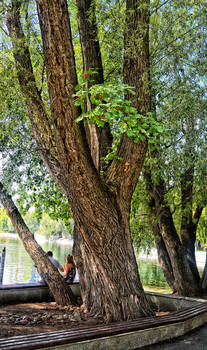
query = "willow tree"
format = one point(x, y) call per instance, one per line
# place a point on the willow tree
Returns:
point(99, 193)
point(176, 174)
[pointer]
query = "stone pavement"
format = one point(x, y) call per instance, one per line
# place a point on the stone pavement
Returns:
point(194, 340)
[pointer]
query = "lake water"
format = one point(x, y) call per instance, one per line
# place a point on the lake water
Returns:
point(19, 267)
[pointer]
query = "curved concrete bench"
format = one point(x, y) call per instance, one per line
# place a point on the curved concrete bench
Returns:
point(29, 292)
point(119, 335)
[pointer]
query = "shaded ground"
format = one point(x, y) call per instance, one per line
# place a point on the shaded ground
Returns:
point(31, 318)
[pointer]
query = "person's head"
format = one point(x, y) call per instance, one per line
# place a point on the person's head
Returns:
point(49, 253)
point(70, 260)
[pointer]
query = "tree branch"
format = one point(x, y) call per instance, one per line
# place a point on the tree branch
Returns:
point(36, 110)
point(197, 214)
point(99, 139)
point(33, 248)
point(124, 174)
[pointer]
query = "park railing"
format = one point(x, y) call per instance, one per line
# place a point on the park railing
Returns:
point(2, 260)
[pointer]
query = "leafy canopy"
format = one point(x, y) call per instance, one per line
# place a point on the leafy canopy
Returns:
point(110, 106)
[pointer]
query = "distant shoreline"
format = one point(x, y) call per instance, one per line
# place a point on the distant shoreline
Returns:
point(200, 255)
point(64, 241)
point(6, 234)
point(40, 238)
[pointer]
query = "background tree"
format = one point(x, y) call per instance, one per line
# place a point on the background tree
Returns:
point(4, 227)
point(51, 227)
point(176, 175)
point(140, 220)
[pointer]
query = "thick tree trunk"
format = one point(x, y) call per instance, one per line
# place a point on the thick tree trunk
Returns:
point(100, 208)
point(115, 289)
point(163, 257)
point(91, 299)
point(106, 289)
point(181, 251)
point(188, 235)
point(203, 281)
point(136, 53)
point(99, 139)
point(188, 223)
point(61, 292)
point(185, 282)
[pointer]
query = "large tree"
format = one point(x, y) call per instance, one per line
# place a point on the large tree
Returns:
point(99, 195)
point(177, 202)
point(176, 174)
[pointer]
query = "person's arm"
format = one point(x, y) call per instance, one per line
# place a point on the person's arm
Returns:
point(37, 268)
point(66, 270)
point(60, 268)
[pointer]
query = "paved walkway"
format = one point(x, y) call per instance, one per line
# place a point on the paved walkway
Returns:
point(194, 340)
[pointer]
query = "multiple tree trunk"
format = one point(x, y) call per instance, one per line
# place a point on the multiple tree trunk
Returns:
point(100, 205)
point(176, 256)
point(177, 252)
point(73, 152)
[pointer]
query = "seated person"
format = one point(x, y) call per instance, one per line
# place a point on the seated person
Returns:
point(55, 262)
point(70, 269)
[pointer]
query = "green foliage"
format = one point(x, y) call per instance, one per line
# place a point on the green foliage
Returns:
point(46, 226)
point(49, 227)
point(31, 221)
point(25, 176)
point(178, 33)
point(178, 80)
point(3, 221)
point(140, 220)
point(202, 229)
point(23, 172)
point(152, 277)
point(111, 107)
point(111, 22)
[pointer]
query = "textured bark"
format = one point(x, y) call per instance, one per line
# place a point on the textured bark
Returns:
point(100, 207)
point(61, 292)
point(99, 139)
point(113, 285)
point(91, 53)
point(122, 176)
point(185, 283)
point(136, 55)
point(177, 256)
point(188, 225)
point(203, 281)
point(163, 257)
point(188, 221)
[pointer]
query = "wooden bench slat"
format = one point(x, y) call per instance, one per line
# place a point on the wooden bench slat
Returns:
point(34, 341)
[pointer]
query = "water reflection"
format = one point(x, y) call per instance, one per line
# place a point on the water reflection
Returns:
point(19, 266)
